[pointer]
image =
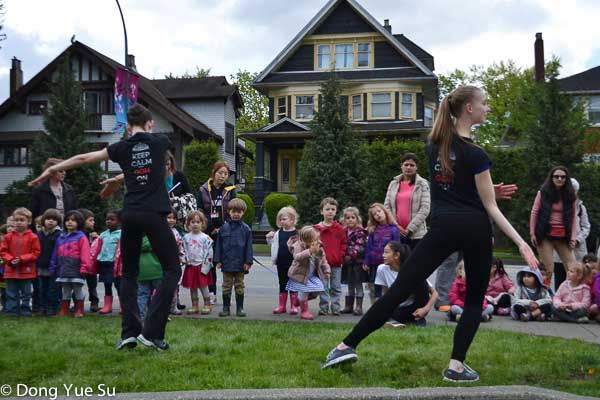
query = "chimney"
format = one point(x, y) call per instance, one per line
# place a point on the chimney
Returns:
point(16, 76)
point(539, 58)
point(131, 62)
point(386, 25)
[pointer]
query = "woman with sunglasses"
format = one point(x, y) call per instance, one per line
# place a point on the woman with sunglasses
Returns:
point(552, 224)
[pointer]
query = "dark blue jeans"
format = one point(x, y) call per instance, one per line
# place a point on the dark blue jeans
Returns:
point(47, 294)
point(18, 296)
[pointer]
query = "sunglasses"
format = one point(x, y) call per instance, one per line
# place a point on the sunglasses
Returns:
point(559, 176)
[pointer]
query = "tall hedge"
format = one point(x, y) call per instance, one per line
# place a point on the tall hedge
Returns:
point(199, 158)
point(249, 214)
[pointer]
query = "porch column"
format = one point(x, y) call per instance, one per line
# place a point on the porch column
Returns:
point(259, 181)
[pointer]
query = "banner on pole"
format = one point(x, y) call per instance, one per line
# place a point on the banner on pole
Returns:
point(119, 99)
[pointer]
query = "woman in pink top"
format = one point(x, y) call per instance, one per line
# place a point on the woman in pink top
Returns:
point(552, 225)
point(409, 200)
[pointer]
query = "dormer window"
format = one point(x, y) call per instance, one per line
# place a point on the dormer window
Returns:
point(344, 56)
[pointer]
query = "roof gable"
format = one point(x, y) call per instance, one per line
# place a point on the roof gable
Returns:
point(147, 90)
point(343, 19)
point(285, 124)
point(318, 21)
point(586, 81)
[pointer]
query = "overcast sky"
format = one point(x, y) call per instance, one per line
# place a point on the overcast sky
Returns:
point(228, 35)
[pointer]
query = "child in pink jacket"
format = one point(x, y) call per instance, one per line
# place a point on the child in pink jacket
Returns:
point(573, 298)
point(500, 288)
point(458, 292)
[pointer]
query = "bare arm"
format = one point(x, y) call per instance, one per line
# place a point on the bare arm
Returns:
point(73, 162)
point(485, 188)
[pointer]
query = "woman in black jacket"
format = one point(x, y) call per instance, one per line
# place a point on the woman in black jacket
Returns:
point(54, 193)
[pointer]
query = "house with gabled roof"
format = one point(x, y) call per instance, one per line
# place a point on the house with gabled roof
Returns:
point(388, 87)
point(184, 109)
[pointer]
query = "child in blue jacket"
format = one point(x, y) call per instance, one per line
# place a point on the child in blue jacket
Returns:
point(233, 255)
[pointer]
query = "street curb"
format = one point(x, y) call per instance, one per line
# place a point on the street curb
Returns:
point(438, 393)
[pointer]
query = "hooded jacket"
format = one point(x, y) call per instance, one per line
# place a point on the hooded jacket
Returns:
point(523, 297)
point(574, 297)
point(234, 246)
point(25, 246)
point(458, 293)
point(420, 204)
point(334, 242)
point(205, 202)
point(71, 257)
point(301, 265)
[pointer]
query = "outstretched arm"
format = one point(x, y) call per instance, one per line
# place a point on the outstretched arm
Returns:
point(485, 188)
point(73, 162)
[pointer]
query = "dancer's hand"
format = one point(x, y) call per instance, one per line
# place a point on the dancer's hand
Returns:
point(111, 186)
point(528, 256)
point(42, 178)
point(420, 313)
point(365, 268)
point(505, 192)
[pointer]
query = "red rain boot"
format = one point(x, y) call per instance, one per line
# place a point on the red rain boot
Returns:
point(64, 308)
point(304, 313)
point(282, 300)
point(108, 303)
point(78, 308)
point(293, 303)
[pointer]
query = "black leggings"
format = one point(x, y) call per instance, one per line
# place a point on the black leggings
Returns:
point(282, 274)
point(471, 233)
point(134, 225)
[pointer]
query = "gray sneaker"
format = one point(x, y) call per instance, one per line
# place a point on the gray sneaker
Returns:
point(466, 376)
point(129, 343)
point(158, 344)
point(336, 357)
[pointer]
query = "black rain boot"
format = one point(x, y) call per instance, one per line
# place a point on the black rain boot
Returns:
point(239, 305)
point(226, 305)
point(349, 305)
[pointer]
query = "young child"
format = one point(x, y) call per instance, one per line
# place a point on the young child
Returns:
point(282, 257)
point(353, 273)
point(70, 261)
point(109, 241)
point(173, 223)
point(333, 239)
point(573, 298)
point(458, 293)
point(39, 226)
point(500, 288)
point(309, 269)
point(591, 260)
point(149, 278)
point(382, 228)
point(532, 300)
point(89, 222)
point(420, 302)
point(19, 250)
point(233, 255)
point(47, 292)
point(199, 252)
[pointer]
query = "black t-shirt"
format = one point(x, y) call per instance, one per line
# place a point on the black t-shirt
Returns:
point(142, 159)
point(457, 194)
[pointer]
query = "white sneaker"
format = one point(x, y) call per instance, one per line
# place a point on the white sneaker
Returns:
point(213, 298)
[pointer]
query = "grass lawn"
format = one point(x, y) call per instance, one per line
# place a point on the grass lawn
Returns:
point(219, 354)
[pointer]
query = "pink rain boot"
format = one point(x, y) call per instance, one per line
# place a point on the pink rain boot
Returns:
point(282, 300)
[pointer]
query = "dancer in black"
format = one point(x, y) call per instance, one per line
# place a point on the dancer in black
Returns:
point(146, 204)
point(463, 201)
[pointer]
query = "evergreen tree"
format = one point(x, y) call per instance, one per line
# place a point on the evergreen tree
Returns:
point(332, 163)
point(65, 123)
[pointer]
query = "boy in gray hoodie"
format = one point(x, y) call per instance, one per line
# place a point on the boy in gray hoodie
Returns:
point(532, 300)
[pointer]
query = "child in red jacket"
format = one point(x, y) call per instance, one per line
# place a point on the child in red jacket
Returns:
point(458, 292)
point(19, 250)
point(333, 239)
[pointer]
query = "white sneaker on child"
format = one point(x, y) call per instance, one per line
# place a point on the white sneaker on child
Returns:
point(213, 298)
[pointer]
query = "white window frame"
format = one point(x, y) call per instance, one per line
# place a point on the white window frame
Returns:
point(305, 105)
point(593, 107)
point(359, 53)
point(406, 106)
point(279, 106)
point(381, 101)
point(355, 116)
point(348, 57)
point(323, 58)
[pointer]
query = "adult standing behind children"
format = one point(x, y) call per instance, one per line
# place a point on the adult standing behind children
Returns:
point(53, 193)
point(213, 200)
point(552, 224)
point(409, 200)
point(463, 202)
point(146, 203)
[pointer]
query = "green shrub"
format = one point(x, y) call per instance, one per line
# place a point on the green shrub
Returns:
point(200, 157)
point(249, 214)
point(275, 202)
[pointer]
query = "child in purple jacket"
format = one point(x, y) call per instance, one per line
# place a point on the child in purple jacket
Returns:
point(382, 228)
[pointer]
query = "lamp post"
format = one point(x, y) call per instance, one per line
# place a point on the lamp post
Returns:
point(126, 66)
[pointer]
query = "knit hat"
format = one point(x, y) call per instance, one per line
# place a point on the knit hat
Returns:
point(575, 184)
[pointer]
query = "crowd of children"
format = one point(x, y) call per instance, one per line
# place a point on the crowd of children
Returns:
point(43, 272)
